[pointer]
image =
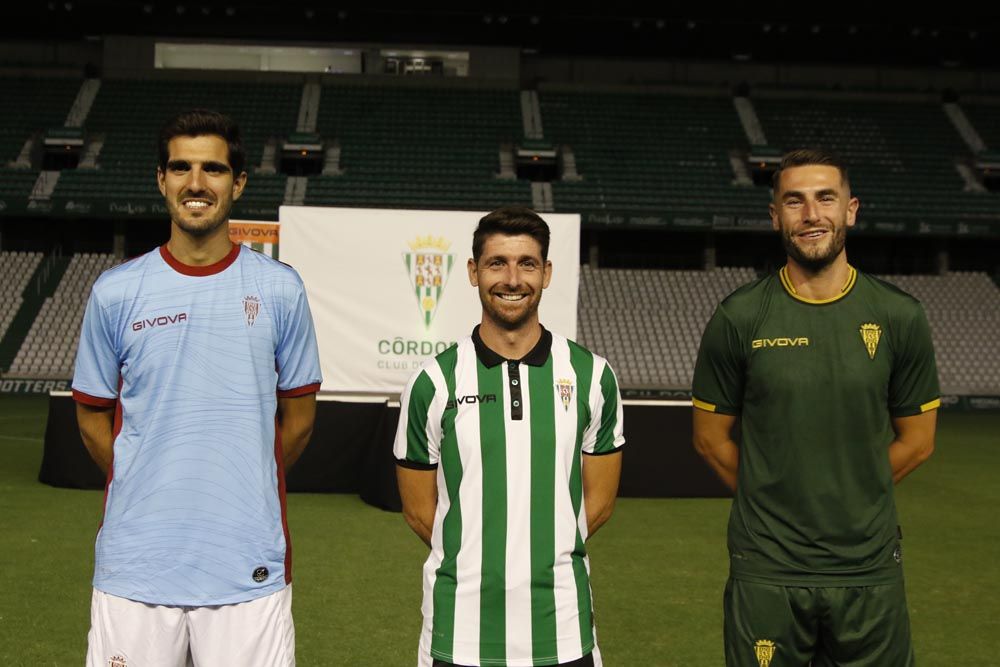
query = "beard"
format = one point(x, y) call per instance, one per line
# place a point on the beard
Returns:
point(510, 319)
point(815, 259)
point(201, 226)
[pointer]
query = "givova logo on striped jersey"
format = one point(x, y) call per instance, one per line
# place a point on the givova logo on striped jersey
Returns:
point(429, 264)
point(469, 400)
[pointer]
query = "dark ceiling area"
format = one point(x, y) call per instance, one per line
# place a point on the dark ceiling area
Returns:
point(586, 29)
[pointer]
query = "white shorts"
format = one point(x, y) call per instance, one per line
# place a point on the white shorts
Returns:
point(126, 633)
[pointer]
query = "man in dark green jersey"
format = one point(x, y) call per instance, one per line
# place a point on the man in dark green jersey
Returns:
point(509, 458)
point(831, 373)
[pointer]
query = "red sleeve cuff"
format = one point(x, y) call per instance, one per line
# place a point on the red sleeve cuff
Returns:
point(298, 391)
point(95, 401)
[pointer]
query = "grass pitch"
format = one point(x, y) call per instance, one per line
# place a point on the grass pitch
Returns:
point(658, 567)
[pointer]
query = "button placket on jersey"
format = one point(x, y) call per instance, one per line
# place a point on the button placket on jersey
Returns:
point(514, 387)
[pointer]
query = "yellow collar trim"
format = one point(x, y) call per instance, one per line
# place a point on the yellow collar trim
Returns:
point(786, 282)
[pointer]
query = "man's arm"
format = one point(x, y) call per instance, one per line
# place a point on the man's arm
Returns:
point(418, 491)
point(713, 440)
point(914, 443)
point(296, 416)
point(97, 431)
point(600, 487)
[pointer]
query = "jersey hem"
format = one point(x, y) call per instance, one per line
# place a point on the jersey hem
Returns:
point(817, 580)
point(235, 598)
point(299, 391)
point(94, 401)
point(533, 661)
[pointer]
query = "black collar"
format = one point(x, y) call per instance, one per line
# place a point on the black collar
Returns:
point(537, 357)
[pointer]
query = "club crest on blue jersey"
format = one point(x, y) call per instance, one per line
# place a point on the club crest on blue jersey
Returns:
point(251, 307)
point(565, 389)
point(260, 574)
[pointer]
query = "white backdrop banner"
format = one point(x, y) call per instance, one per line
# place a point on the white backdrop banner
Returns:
point(389, 288)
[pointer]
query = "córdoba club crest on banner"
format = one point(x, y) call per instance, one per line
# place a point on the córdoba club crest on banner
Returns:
point(428, 265)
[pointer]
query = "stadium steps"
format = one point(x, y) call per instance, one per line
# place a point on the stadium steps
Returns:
point(50, 271)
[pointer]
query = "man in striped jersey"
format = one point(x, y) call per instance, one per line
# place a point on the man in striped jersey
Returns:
point(509, 457)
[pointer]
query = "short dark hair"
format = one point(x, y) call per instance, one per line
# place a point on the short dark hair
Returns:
point(199, 122)
point(511, 221)
point(802, 157)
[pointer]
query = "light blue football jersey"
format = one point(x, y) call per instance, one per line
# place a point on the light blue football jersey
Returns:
point(194, 359)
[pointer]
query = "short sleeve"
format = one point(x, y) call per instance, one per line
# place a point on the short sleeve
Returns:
point(297, 355)
point(418, 433)
point(98, 363)
point(913, 385)
point(719, 371)
point(605, 433)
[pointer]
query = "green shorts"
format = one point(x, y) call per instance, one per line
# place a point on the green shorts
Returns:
point(791, 626)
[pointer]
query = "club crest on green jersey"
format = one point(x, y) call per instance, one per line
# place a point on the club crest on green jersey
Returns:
point(764, 649)
point(565, 389)
point(870, 334)
point(428, 265)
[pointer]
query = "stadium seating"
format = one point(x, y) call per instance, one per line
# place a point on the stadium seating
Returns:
point(986, 119)
point(964, 313)
point(16, 269)
point(418, 147)
point(49, 350)
point(130, 113)
point(648, 323)
point(659, 153)
point(28, 106)
point(901, 154)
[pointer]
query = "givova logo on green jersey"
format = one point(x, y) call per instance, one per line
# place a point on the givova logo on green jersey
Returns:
point(783, 341)
point(429, 265)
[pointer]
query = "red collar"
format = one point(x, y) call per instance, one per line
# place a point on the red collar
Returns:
point(208, 270)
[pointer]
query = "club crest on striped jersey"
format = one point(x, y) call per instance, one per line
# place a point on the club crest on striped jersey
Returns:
point(764, 650)
point(564, 388)
point(251, 308)
point(428, 265)
point(870, 334)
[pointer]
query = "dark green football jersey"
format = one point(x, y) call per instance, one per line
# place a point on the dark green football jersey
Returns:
point(815, 384)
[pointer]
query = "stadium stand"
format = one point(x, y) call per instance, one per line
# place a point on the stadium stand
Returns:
point(653, 152)
point(986, 119)
point(902, 155)
point(16, 269)
point(49, 350)
point(964, 313)
point(28, 107)
point(418, 147)
point(648, 323)
point(129, 113)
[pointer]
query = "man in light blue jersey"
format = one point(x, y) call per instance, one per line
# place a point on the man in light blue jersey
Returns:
point(195, 386)
point(509, 452)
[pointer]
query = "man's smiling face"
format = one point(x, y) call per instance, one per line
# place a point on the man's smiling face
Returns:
point(812, 210)
point(198, 184)
point(510, 275)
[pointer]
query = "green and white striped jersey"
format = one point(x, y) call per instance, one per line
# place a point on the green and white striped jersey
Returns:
point(507, 581)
